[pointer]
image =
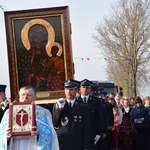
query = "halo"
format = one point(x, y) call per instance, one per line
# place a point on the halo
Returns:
point(54, 44)
point(28, 25)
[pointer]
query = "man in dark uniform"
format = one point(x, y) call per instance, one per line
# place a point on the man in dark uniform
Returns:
point(109, 122)
point(95, 108)
point(48, 106)
point(71, 120)
point(3, 103)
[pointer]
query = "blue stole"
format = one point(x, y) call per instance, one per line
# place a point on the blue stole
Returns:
point(3, 127)
point(45, 137)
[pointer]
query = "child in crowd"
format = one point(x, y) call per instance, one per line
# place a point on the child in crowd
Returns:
point(115, 129)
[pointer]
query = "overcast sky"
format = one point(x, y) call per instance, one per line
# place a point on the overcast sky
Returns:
point(84, 15)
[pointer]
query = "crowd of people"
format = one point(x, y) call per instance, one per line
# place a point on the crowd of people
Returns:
point(80, 121)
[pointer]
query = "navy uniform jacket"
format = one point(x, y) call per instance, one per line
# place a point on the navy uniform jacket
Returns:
point(137, 113)
point(110, 114)
point(96, 116)
point(47, 106)
point(108, 117)
point(2, 112)
point(72, 126)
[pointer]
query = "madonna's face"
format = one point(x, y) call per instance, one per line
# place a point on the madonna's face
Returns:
point(38, 37)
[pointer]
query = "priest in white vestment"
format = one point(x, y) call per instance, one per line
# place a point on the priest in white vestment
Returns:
point(43, 138)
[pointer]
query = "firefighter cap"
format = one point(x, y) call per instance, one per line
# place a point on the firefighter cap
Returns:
point(86, 82)
point(71, 84)
point(2, 88)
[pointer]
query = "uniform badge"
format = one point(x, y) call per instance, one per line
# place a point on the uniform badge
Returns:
point(80, 118)
point(76, 103)
point(75, 118)
point(93, 110)
point(64, 121)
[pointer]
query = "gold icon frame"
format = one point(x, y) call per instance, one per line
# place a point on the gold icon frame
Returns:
point(56, 21)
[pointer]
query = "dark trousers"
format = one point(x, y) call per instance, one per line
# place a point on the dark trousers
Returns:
point(140, 138)
point(106, 143)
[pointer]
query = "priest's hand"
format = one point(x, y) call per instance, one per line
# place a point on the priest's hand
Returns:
point(9, 133)
point(35, 131)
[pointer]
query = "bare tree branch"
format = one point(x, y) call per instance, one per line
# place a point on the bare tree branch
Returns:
point(125, 35)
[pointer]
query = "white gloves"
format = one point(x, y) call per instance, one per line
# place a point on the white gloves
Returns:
point(61, 103)
point(97, 137)
point(4, 105)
